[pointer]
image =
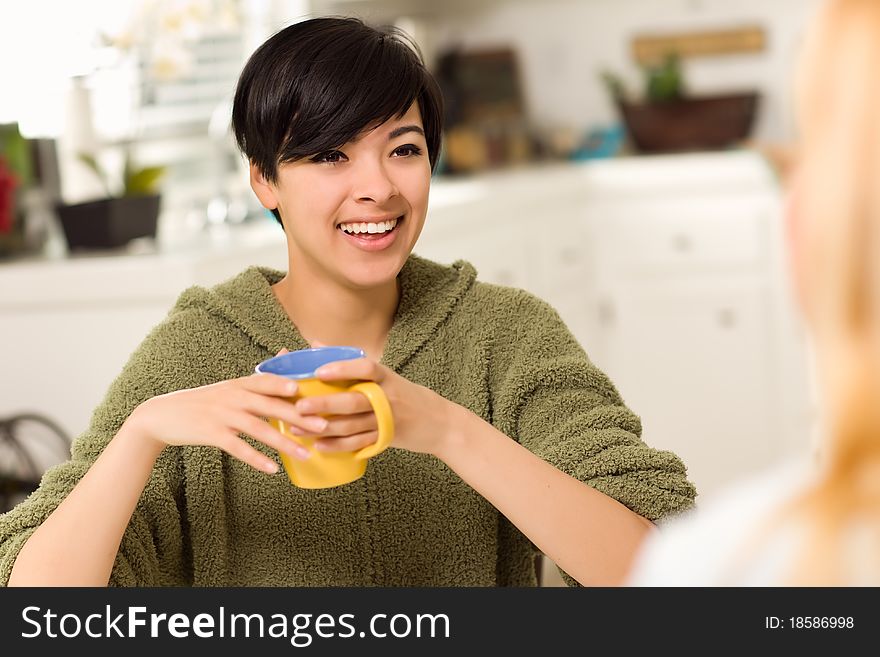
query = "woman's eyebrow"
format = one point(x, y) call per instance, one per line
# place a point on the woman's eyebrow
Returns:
point(402, 130)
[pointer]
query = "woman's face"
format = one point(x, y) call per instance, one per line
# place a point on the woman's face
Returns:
point(353, 214)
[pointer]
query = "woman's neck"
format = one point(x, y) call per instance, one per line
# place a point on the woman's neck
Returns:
point(324, 311)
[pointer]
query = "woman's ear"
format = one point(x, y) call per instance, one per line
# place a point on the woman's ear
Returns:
point(262, 188)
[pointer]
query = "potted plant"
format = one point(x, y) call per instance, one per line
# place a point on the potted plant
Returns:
point(118, 218)
point(669, 119)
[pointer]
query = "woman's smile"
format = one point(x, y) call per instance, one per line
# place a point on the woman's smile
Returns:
point(371, 233)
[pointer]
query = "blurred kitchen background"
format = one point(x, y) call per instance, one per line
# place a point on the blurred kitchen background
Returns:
point(623, 159)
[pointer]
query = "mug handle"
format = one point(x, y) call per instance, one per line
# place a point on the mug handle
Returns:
point(374, 393)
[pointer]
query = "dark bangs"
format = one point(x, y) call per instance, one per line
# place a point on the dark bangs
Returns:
point(318, 84)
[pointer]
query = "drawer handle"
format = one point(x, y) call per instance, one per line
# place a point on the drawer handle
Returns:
point(606, 313)
point(726, 318)
point(569, 256)
point(681, 243)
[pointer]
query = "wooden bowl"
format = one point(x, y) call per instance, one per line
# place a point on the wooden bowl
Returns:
point(697, 123)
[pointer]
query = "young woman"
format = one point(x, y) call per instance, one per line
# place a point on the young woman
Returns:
point(815, 524)
point(508, 439)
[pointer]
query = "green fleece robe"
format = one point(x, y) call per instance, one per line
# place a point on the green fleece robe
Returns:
point(206, 519)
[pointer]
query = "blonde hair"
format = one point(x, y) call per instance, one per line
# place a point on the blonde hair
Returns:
point(838, 261)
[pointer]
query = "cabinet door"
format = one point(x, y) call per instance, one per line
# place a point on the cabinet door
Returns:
point(683, 236)
point(501, 253)
point(72, 356)
point(693, 361)
point(574, 309)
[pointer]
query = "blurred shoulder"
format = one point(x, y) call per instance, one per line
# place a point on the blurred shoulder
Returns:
point(697, 547)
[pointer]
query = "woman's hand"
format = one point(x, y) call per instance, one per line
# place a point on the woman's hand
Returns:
point(216, 414)
point(422, 418)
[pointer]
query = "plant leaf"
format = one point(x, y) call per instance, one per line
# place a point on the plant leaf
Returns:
point(92, 163)
point(613, 84)
point(142, 182)
point(126, 169)
point(15, 149)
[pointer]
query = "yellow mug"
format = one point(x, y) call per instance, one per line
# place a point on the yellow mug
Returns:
point(327, 469)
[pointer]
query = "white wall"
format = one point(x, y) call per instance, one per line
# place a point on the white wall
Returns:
point(564, 43)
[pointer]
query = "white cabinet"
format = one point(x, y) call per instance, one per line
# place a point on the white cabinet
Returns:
point(690, 233)
point(499, 252)
point(693, 359)
point(518, 229)
point(69, 325)
point(684, 322)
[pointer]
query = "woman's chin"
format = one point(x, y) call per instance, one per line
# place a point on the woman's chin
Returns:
point(373, 275)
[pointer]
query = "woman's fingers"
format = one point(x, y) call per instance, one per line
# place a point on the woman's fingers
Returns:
point(233, 445)
point(269, 435)
point(342, 403)
point(350, 425)
point(356, 368)
point(346, 419)
point(347, 443)
point(269, 384)
point(283, 410)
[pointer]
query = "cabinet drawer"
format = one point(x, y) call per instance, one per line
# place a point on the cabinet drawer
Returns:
point(689, 357)
point(500, 257)
point(685, 236)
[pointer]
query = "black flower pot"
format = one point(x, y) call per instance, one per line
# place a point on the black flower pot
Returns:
point(109, 223)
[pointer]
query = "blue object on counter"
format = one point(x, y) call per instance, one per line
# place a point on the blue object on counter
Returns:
point(601, 142)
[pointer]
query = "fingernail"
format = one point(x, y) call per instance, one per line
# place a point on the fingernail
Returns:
point(289, 448)
point(270, 466)
point(290, 388)
point(303, 406)
point(318, 423)
point(301, 452)
point(325, 370)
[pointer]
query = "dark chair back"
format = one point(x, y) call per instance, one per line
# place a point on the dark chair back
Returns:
point(29, 442)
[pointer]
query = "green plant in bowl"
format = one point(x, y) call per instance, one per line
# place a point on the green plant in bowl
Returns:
point(130, 213)
point(136, 181)
point(664, 81)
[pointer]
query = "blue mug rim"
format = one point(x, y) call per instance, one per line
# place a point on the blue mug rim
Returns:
point(332, 354)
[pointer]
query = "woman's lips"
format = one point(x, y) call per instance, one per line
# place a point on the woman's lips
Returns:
point(373, 241)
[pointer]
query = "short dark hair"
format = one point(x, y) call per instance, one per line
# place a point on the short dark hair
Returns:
point(317, 84)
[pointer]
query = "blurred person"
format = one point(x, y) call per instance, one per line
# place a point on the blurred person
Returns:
point(815, 521)
point(508, 440)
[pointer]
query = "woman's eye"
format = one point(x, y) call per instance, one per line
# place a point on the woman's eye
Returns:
point(330, 157)
point(408, 150)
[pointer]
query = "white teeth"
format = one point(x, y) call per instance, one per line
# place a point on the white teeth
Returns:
point(364, 227)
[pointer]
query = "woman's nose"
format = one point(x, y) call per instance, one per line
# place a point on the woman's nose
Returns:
point(373, 183)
